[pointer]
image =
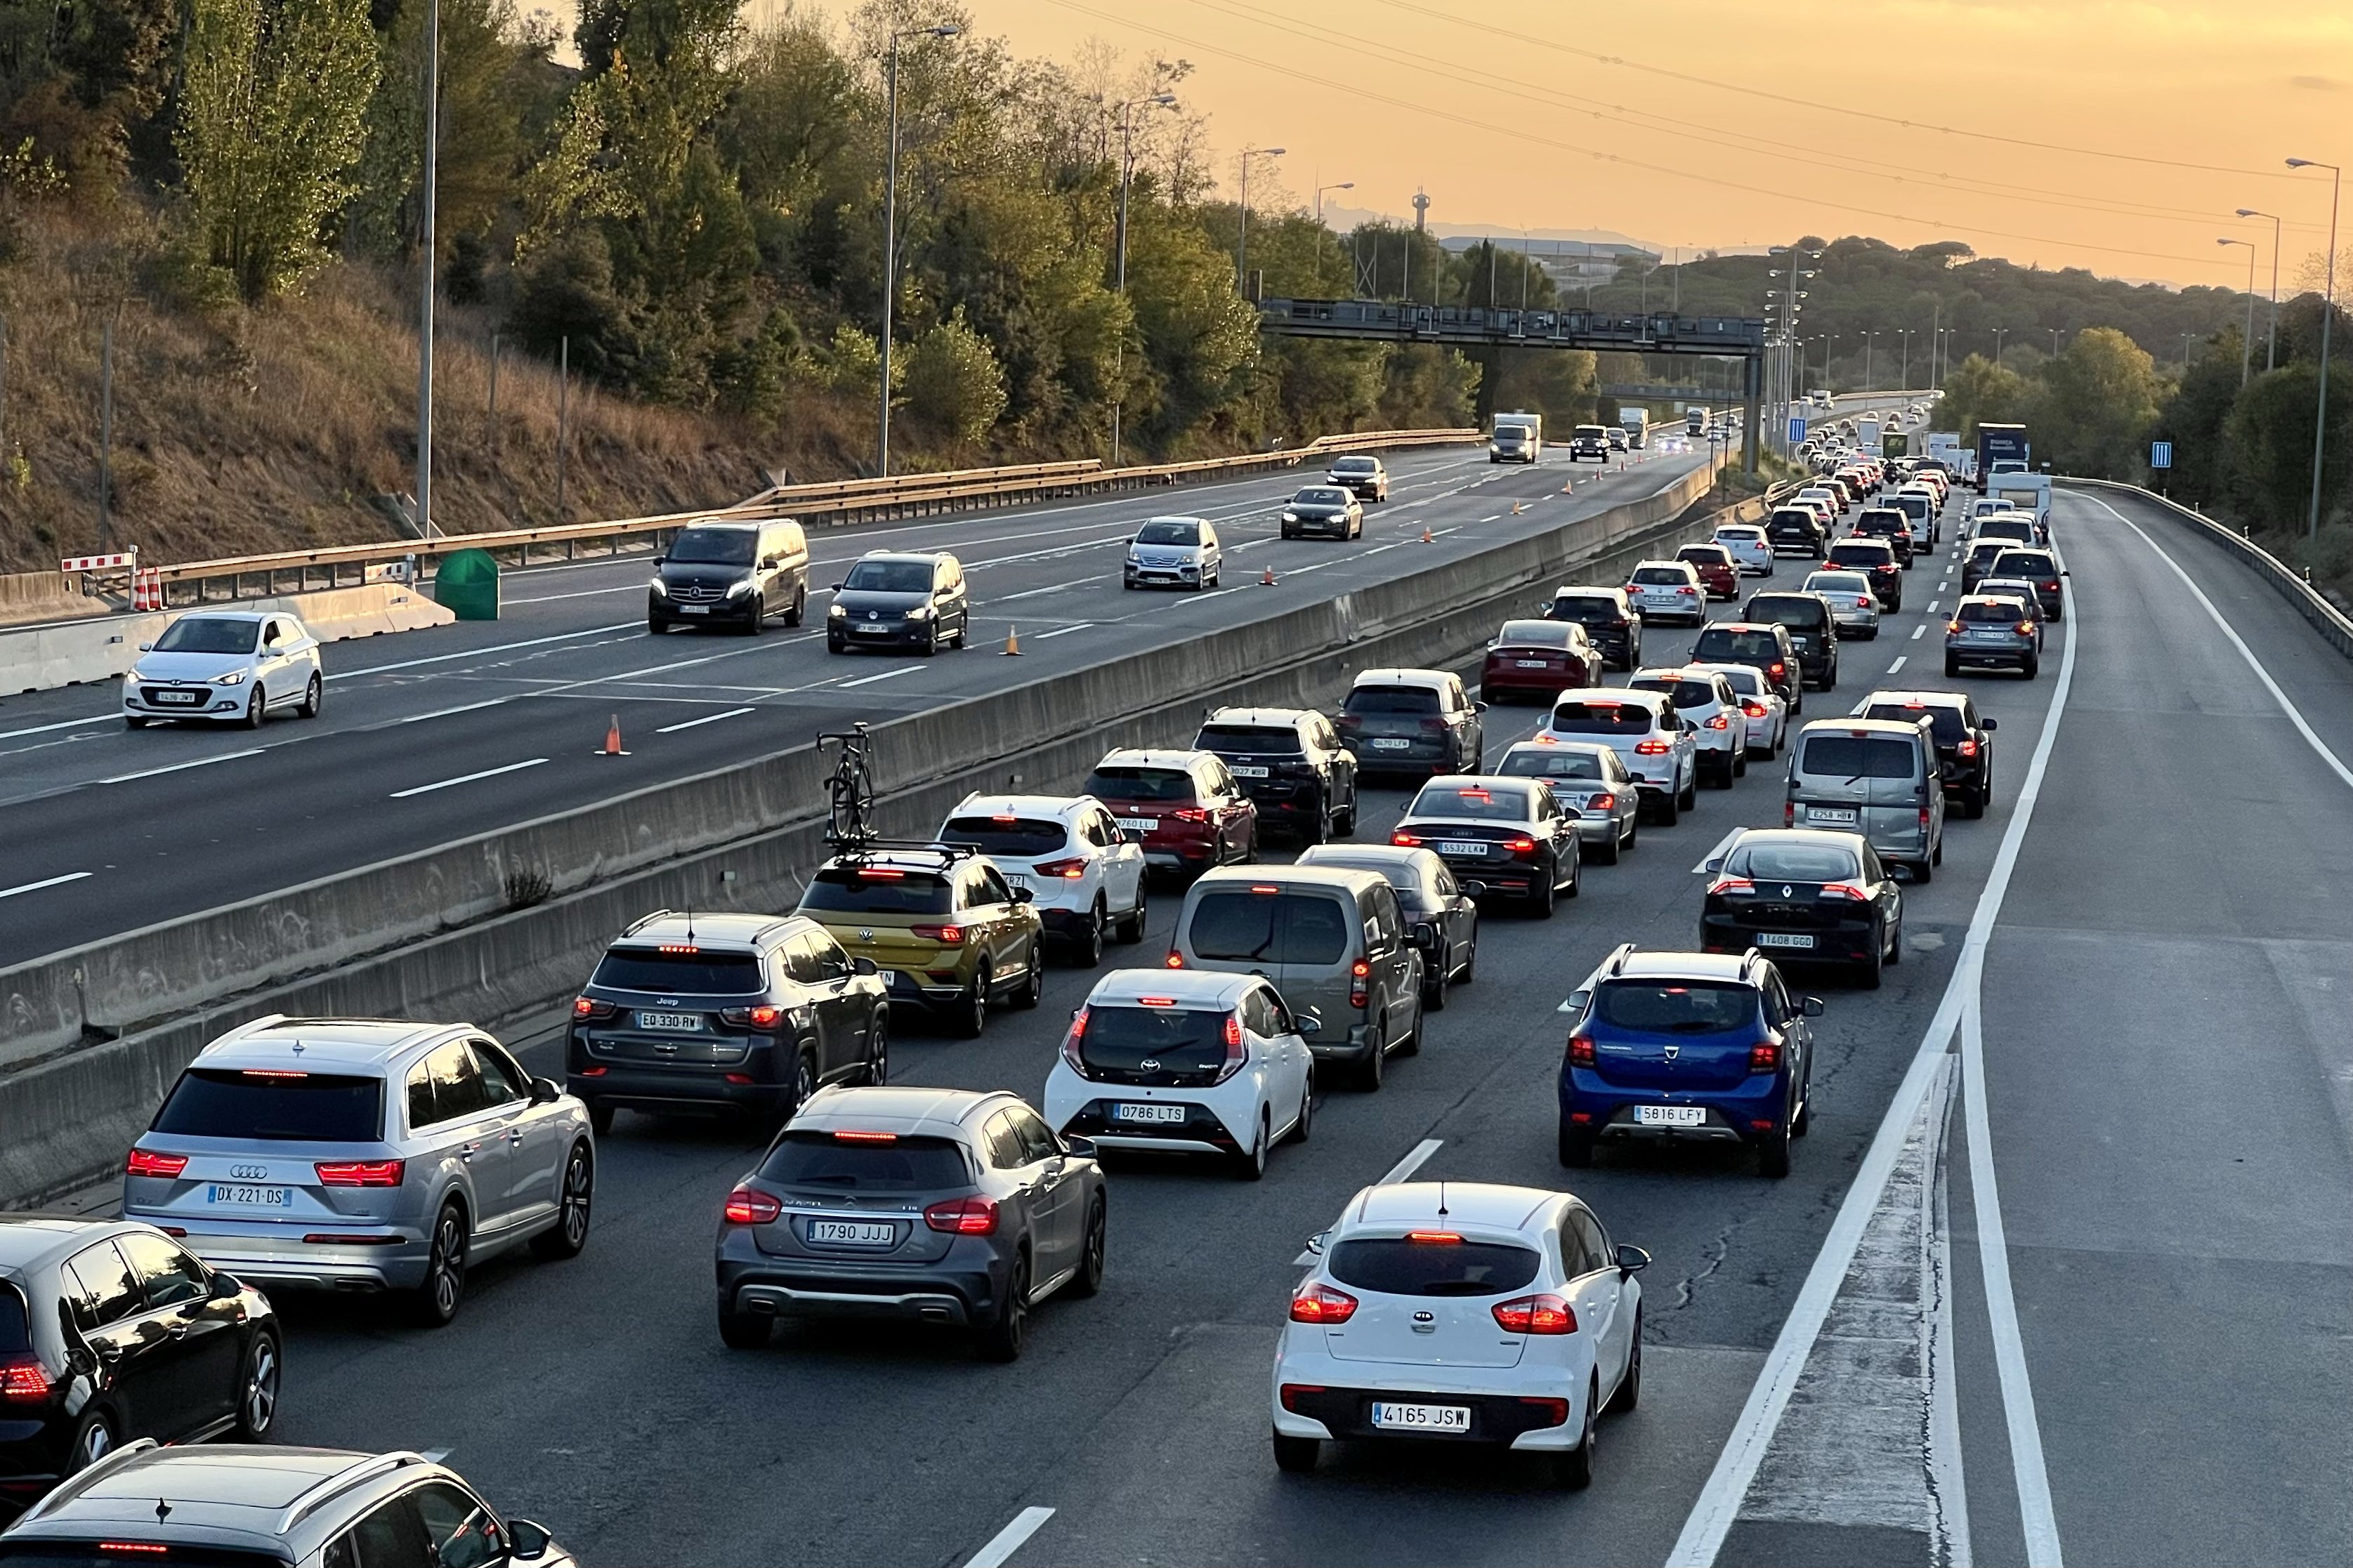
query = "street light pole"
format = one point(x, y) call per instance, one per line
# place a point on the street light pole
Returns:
point(2271, 348)
point(2054, 342)
point(2247, 337)
point(1999, 333)
point(1119, 248)
point(1241, 244)
point(1867, 361)
point(1342, 185)
point(1903, 375)
point(425, 295)
point(2328, 313)
point(891, 239)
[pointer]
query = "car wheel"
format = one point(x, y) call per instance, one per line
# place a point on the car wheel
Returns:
point(804, 1086)
point(1087, 942)
point(835, 645)
point(1089, 1279)
point(1803, 1122)
point(1470, 960)
point(1434, 989)
point(444, 1287)
point(1667, 808)
point(1033, 988)
point(1374, 1068)
point(759, 625)
point(93, 1440)
point(1297, 1455)
point(574, 1200)
point(1130, 930)
point(1252, 1165)
point(1315, 828)
point(1572, 1471)
point(1606, 853)
point(1937, 854)
point(931, 644)
point(1773, 1155)
point(257, 1391)
point(2032, 668)
point(655, 628)
point(1740, 762)
point(743, 1331)
point(1306, 1123)
point(972, 1017)
point(1952, 669)
point(1576, 874)
point(600, 1119)
point(1867, 973)
point(1541, 902)
point(877, 1050)
point(1001, 1340)
point(257, 707)
point(1628, 1393)
point(313, 696)
point(1344, 823)
point(133, 721)
point(1576, 1149)
point(1895, 943)
point(1688, 800)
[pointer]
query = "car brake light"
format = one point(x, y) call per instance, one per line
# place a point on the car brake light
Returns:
point(1753, 710)
point(1069, 871)
point(761, 1017)
point(1521, 846)
point(1581, 1051)
point(1319, 1303)
point(1175, 959)
point(1777, 667)
point(1954, 626)
point(1721, 721)
point(1434, 1237)
point(1073, 1041)
point(1433, 726)
point(975, 1215)
point(686, 947)
point(748, 1206)
point(1540, 1314)
point(1789, 813)
point(946, 936)
point(862, 1135)
point(589, 1007)
point(865, 873)
point(1651, 748)
point(1923, 819)
point(1236, 1047)
point(1845, 891)
point(1765, 1056)
point(24, 1380)
point(1968, 748)
point(1731, 885)
point(1358, 972)
point(1601, 802)
point(360, 1172)
point(1189, 813)
point(2025, 628)
point(1404, 840)
point(145, 1162)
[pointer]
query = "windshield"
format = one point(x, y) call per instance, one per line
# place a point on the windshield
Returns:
point(209, 634)
point(1022, 837)
point(1595, 432)
point(1400, 1266)
point(1552, 763)
point(1600, 718)
point(1857, 757)
point(876, 890)
point(1174, 786)
point(1392, 699)
point(1320, 498)
point(866, 1164)
point(890, 577)
point(1736, 648)
point(1768, 861)
point(714, 546)
point(1675, 1006)
point(1251, 738)
point(1169, 533)
point(1982, 613)
point(698, 973)
point(310, 1108)
point(1480, 803)
point(1353, 466)
point(1173, 1039)
point(1585, 610)
point(1250, 927)
point(1786, 608)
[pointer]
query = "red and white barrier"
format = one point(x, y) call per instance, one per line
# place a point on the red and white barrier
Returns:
point(147, 589)
point(120, 560)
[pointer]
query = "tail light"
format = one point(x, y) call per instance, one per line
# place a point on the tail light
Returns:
point(1765, 1056)
point(1956, 625)
point(742, 1079)
point(975, 1215)
point(1923, 819)
point(1074, 1040)
point(1175, 959)
point(1721, 721)
point(1601, 803)
point(1687, 591)
point(1540, 1314)
point(1731, 885)
point(1968, 748)
point(1581, 1051)
point(946, 936)
point(1752, 709)
point(24, 1380)
point(1069, 871)
point(1433, 726)
point(747, 1206)
point(1845, 891)
point(1405, 840)
point(1789, 813)
point(1651, 748)
point(1776, 670)
point(1320, 1303)
point(1237, 1050)
point(589, 1007)
point(2025, 628)
point(1189, 813)
point(146, 1162)
point(1555, 1410)
point(1359, 974)
point(1864, 603)
point(1521, 846)
point(1291, 1391)
point(1351, 720)
point(761, 1017)
point(2052, 586)
point(360, 1172)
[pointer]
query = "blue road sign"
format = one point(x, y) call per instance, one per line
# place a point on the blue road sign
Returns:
point(1796, 427)
point(2160, 454)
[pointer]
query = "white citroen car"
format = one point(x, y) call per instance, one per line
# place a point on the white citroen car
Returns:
point(1174, 553)
point(225, 664)
point(1461, 1313)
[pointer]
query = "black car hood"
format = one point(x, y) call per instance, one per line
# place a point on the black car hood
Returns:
point(855, 602)
point(683, 574)
point(1315, 509)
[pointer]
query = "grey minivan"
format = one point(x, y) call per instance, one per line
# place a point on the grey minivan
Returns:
point(1878, 777)
point(1335, 942)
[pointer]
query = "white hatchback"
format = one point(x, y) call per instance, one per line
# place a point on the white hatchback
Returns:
point(231, 665)
point(1765, 710)
point(1707, 702)
point(1174, 553)
point(1660, 589)
point(1657, 745)
point(1751, 550)
point(1085, 877)
point(1186, 1061)
point(1463, 1312)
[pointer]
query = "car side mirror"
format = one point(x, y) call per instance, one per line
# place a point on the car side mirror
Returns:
point(1316, 1243)
point(663, 560)
point(1632, 1259)
point(1478, 708)
point(1022, 895)
point(146, 648)
point(528, 1539)
point(226, 1287)
point(1307, 1023)
point(1077, 1148)
point(1811, 1006)
point(1991, 725)
point(865, 966)
point(545, 1092)
point(837, 587)
point(1424, 935)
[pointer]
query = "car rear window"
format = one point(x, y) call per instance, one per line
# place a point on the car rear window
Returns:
point(1685, 693)
point(14, 1335)
point(1788, 609)
point(1915, 506)
point(1857, 757)
point(1947, 722)
point(2023, 564)
point(1024, 837)
point(1253, 737)
point(1770, 861)
point(1791, 517)
point(877, 891)
point(1735, 647)
point(1871, 554)
point(1392, 699)
point(1990, 614)
point(2005, 527)
point(1174, 786)
point(1401, 1265)
point(1270, 928)
point(1983, 553)
point(1551, 762)
point(1178, 1040)
point(872, 1162)
point(1660, 574)
point(1601, 718)
point(1675, 1006)
point(1704, 554)
point(326, 1108)
point(1585, 610)
point(700, 973)
point(1532, 634)
point(1480, 803)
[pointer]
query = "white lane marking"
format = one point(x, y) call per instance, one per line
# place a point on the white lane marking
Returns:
point(1722, 845)
point(1221, 593)
point(1490, 517)
point(182, 767)
point(1392, 544)
point(1011, 1539)
point(1744, 1449)
point(45, 882)
point(464, 707)
point(1414, 1160)
point(1050, 588)
point(886, 675)
point(1919, 631)
point(1319, 565)
point(477, 652)
point(580, 594)
point(1061, 631)
point(465, 778)
point(706, 719)
point(2334, 763)
point(64, 724)
point(1898, 664)
point(1932, 607)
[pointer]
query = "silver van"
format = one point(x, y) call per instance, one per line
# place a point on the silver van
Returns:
point(1878, 777)
point(1335, 942)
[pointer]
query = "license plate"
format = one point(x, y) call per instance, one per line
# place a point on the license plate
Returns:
point(695, 609)
point(1015, 879)
point(1248, 772)
point(1382, 744)
point(866, 631)
point(1140, 823)
point(1830, 814)
point(678, 1023)
point(1421, 1417)
point(225, 1194)
point(1155, 1115)
point(1784, 938)
point(1670, 1116)
point(177, 696)
point(1530, 663)
point(1462, 847)
point(853, 1233)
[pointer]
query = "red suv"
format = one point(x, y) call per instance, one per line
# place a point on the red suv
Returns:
point(1718, 573)
point(1183, 808)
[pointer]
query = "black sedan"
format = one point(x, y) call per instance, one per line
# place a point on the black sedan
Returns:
point(1325, 509)
point(1801, 895)
point(1501, 837)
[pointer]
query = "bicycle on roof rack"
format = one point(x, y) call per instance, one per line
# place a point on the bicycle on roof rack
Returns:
point(850, 818)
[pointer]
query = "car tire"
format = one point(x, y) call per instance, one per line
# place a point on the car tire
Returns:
point(655, 627)
point(759, 625)
point(877, 1050)
point(1628, 1394)
point(1688, 800)
point(313, 698)
point(1607, 853)
point(1131, 928)
point(1470, 960)
point(1667, 808)
point(1315, 828)
point(1773, 1155)
point(1088, 1280)
point(1952, 669)
point(2032, 668)
point(1895, 944)
point(1087, 944)
point(1306, 1123)
point(743, 1331)
point(1572, 1470)
point(800, 611)
point(1937, 854)
point(133, 721)
point(1000, 1339)
point(1541, 902)
point(1251, 1164)
point(1867, 972)
point(1297, 1455)
point(1576, 1149)
point(93, 1440)
point(1576, 874)
point(836, 645)
point(1375, 1067)
point(443, 1289)
point(257, 707)
point(600, 1119)
point(1740, 761)
point(1033, 989)
point(972, 1019)
point(931, 645)
point(804, 1086)
point(575, 1200)
point(1434, 990)
point(257, 1391)
point(1803, 1122)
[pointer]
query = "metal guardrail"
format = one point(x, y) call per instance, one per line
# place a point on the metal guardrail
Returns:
point(835, 504)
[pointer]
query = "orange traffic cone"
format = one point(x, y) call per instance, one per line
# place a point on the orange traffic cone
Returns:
point(1013, 642)
point(1425, 533)
point(613, 740)
point(1518, 508)
point(1569, 486)
point(1266, 578)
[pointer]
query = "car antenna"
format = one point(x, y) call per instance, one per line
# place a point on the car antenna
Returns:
point(1442, 1198)
point(690, 925)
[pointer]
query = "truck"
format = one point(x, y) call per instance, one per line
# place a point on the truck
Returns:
point(1866, 433)
point(2026, 491)
point(1695, 421)
point(2001, 444)
point(1515, 437)
point(1637, 425)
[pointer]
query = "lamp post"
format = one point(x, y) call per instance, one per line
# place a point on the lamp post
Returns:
point(2054, 341)
point(1342, 185)
point(2247, 339)
point(1241, 244)
point(425, 293)
point(2271, 348)
point(890, 237)
point(2328, 313)
point(1903, 375)
point(1119, 248)
point(1999, 333)
point(1867, 345)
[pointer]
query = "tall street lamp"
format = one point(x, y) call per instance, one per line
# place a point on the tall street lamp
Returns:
point(1867, 385)
point(890, 236)
point(2271, 349)
point(2054, 341)
point(1342, 185)
point(1241, 244)
point(1904, 375)
point(2328, 313)
point(1999, 333)
point(425, 301)
point(2247, 339)
point(1119, 247)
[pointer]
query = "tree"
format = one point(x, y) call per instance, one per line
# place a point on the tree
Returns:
point(2203, 468)
point(1979, 392)
point(481, 146)
point(2270, 435)
point(954, 384)
point(2091, 409)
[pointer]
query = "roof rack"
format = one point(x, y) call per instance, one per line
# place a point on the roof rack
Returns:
point(343, 1481)
point(80, 1480)
point(872, 846)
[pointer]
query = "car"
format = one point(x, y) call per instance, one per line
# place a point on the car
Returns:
point(1539, 660)
point(1333, 940)
point(1854, 599)
point(1831, 494)
point(1609, 617)
point(1672, 1047)
point(1461, 1313)
point(915, 1206)
point(1363, 474)
point(1185, 808)
point(951, 936)
point(1084, 877)
point(1707, 702)
point(1591, 441)
point(232, 665)
point(1892, 525)
point(1805, 895)
point(1326, 509)
point(1992, 633)
point(1658, 746)
point(2030, 603)
point(1765, 645)
point(1186, 1061)
point(1819, 509)
point(1174, 553)
point(424, 1149)
point(1429, 895)
point(721, 573)
point(1749, 548)
point(894, 598)
point(2045, 570)
point(1878, 777)
point(1921, 506)
point(1797, 531)
point(111, 1333)
point(1291, 763)
point(742, 1013)
point(1978, 563)
point(2016, 527)
point(245, 1503)
point(1664, 589)
point(1717, 572)
point(1964, 739)
point(1589, 780)
point(1617, 439)
point(1812, 632)
point(1415, 722)
point(1875, 558)
point(1504, 837)
point(1764, 713)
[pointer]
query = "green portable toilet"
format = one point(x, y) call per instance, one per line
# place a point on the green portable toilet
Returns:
point(467, 585)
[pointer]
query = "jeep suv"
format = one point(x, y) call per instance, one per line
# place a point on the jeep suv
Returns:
point(1291, 763)
point(950, 934)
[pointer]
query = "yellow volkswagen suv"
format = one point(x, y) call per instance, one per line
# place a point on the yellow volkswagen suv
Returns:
point(949, 934)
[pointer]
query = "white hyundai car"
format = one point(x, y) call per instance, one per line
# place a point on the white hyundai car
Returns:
point(1462, 1312)
point(1085, 877)
point(1751, 550)
point(226, 665)
point(1765, 710)
point(1186, 1061)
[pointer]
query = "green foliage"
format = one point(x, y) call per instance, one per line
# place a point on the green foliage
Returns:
point(853, 363)
point(2091, 409)
point(2269, 431)
point(953, 383)
point(1979, 392)
point(481, 146)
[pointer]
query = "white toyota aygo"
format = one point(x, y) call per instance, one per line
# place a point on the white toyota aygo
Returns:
point(1462, 1312)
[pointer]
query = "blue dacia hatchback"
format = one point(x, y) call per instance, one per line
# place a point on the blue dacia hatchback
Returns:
point(1686, 1048)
